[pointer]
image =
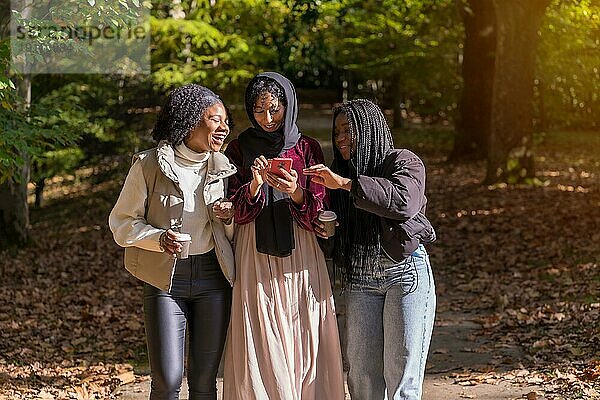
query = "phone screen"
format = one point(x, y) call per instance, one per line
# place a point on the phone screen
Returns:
point(276, 163)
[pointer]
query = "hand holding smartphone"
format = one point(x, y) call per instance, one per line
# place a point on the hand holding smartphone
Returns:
point(276, 164)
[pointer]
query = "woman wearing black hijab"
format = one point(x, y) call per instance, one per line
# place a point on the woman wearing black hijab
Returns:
point(283, 340)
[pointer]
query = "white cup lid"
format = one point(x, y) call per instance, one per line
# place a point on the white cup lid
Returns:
point(184, 237)
point(327, 216)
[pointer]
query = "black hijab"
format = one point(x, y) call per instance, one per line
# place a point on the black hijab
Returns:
point(274, 224)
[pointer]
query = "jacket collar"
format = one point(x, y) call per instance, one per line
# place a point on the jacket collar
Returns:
point(165, 154)
point(219, 166)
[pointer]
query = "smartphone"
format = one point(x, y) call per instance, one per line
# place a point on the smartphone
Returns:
point(276, 163)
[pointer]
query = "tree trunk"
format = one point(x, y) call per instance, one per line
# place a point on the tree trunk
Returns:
point(542, 123)
point(39, 192)
point(14, 211)
point(5, 14)
point(475, 104)
point(510, 155)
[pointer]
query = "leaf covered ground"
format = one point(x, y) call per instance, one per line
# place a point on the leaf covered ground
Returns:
point(522, 260)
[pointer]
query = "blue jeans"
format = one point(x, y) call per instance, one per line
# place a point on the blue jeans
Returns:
point(389, 323)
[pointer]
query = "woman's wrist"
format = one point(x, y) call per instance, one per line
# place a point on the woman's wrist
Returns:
point(253, 189)
point(346, 184)
point(161, 241)
point(298, 195)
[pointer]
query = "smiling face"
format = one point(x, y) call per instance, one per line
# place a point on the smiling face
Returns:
point(269, 112)
point(211, 132)
point(343, 137)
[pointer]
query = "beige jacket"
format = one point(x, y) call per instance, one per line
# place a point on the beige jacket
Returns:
point(163, 210)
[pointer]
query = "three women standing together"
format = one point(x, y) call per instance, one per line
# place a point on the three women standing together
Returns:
point(282, 341)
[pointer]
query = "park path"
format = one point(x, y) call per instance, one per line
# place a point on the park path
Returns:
point(455, 351)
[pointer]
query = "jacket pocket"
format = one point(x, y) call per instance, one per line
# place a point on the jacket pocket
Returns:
point(171, 200)
point(419, 227)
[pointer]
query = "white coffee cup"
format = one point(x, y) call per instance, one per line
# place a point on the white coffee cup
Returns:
point(185, 240)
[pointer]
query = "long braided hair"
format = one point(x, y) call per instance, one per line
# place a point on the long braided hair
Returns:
point(357, 246)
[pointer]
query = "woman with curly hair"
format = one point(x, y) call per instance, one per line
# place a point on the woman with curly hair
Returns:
point(283, 341)
point(378, 193)
point(173, 189)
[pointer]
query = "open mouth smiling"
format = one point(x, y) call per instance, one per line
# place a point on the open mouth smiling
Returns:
point(219, 138)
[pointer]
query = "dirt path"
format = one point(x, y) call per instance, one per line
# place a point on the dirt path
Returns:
point(522, 261)
point(462, 363)
point(456, 354)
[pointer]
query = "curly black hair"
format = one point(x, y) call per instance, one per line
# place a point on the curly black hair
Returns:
point(260, 85)
point(183, 111)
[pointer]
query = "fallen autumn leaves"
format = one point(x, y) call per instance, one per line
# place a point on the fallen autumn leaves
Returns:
point(524, 260)
point(70, 316)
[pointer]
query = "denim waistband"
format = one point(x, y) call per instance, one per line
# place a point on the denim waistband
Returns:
point(393, 272)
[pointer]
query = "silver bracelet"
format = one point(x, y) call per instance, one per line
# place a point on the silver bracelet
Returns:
point(161, 241)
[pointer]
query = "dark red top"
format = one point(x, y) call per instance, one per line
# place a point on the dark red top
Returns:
point(307, 152)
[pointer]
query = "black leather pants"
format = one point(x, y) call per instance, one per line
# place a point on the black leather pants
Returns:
point(200, 300)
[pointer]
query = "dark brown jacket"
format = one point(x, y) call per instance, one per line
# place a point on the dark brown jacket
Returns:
point(398, 198)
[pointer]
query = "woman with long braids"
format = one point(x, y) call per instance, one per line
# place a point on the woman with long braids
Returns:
point(378, 193)
point(171, 189)
point(283, 341)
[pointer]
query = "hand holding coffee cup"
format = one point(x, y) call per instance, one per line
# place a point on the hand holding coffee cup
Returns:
point(325, 226)
point(175, 243)
point(184, 240)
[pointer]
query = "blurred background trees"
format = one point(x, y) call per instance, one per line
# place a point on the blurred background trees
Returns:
point(500, 73)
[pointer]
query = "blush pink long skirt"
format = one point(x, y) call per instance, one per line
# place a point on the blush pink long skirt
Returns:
point(283, 341)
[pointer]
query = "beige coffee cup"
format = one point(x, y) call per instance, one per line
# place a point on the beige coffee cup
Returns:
point(328, 219)
point(185, 240)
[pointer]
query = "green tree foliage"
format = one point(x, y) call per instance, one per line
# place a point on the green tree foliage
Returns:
point(302, 46)
point(190, 47)
point(92, 108)
point(53, 121)
point(21, 131)
point(25, 131)
point(7, 86)
point(414, 42)
point(408, 52)
point(224, 43)
point(568, 84)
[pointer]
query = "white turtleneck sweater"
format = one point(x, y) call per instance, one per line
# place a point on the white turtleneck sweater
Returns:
point(190, 167)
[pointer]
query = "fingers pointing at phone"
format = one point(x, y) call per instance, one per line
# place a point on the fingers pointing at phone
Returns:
point(258, 168)
point(326, 177)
